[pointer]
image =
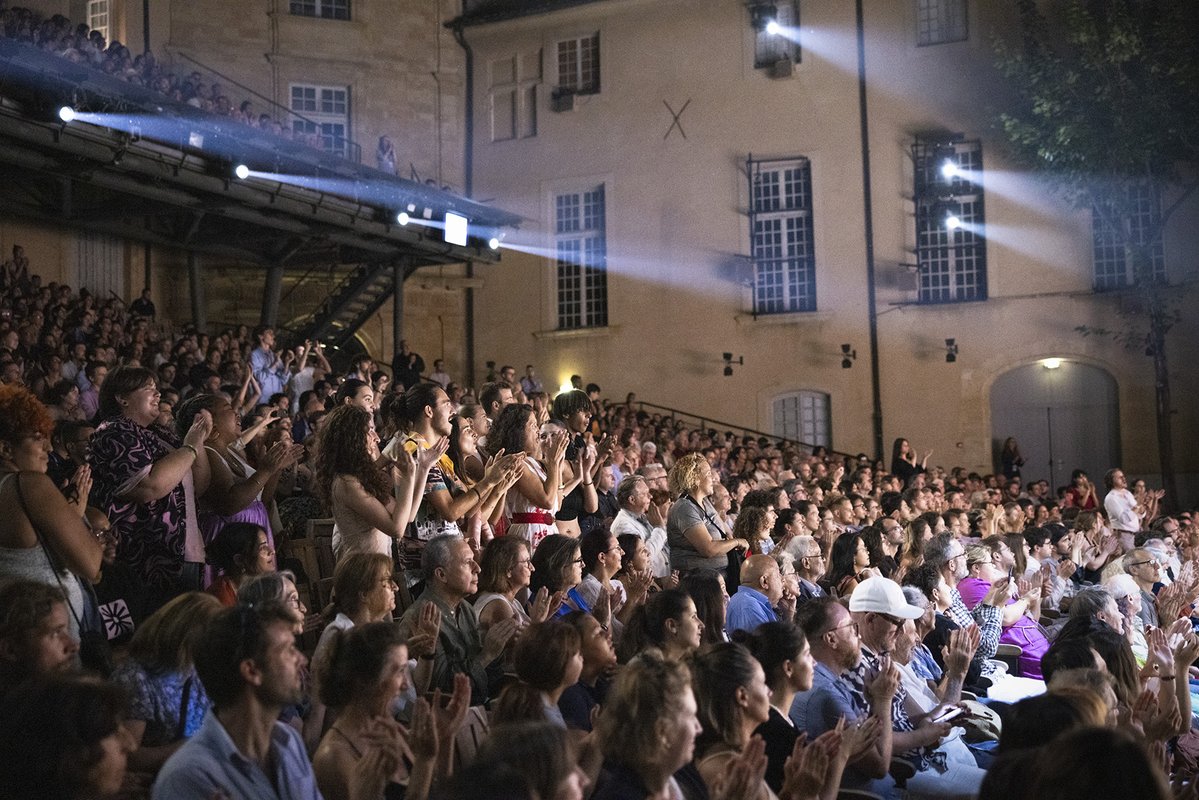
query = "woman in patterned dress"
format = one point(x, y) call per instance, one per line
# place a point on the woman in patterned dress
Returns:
point(143, 482)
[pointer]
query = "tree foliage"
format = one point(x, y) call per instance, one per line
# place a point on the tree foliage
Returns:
point(1108, 93)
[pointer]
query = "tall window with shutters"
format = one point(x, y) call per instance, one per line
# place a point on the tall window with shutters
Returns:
point(581, 258)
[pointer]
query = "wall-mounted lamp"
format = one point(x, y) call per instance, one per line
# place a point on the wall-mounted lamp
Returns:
point(729, 362)
point(848, 356)
point(951, 351)
point(1051, 363)
point(762, 15)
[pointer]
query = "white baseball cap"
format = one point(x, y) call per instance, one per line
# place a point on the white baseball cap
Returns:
point(883, 596)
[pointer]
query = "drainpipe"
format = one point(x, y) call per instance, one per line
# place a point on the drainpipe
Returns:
point(868, 228)
point(468, 170)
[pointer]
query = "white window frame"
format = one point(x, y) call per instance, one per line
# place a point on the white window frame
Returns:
point(804, 416)
point(581, 257)
point(782, 236)
point(1112, 256)
point(941, 22)
point(320, 9)
point(952, 264)
point(517, 91)
point(583, 76)
point(323, 112)
point(99, 17)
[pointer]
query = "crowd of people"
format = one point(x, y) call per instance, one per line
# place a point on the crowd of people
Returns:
point(81, 45)
point(538, 596)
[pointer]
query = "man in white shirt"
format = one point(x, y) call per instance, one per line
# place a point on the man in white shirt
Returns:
point(1121, 507)
point(633, 496)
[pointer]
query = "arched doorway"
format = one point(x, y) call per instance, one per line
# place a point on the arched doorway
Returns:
point(1065, 418)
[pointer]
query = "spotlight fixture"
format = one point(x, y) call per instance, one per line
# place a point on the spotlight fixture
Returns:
point(241, 172)
point(949, 170)
point(948, 212)
point(762, 16)
point(403, 218)
point(494, 243)
point(66, 113)
point(951, 351)
point(773, 28)
point(1052, 363)
point(848, 356)
point(729, 362)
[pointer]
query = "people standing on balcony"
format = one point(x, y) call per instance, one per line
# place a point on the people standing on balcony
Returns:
point(385, 155)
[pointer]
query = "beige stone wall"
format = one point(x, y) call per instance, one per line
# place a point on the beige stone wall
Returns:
point(676, 214)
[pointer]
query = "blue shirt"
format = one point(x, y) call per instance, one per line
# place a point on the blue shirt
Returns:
point(268, 371)
point(210, 765)
point(821, 707)
point(748, 608)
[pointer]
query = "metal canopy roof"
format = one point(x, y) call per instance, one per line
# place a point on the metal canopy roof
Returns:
point(167, 178)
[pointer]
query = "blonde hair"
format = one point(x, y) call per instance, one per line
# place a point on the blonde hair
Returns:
point(167, 639)
point(642, 704)
point(685, 475)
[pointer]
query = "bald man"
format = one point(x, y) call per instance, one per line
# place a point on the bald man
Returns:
point(761, 592)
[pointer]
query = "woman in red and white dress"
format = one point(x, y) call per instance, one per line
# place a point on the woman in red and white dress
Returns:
point(531, 504)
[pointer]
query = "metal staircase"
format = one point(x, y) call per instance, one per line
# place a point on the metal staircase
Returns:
point(351, 304)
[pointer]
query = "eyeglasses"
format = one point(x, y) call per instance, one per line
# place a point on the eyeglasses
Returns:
point(898, 623)
point(1152, 561)
point(577, 561)
point(851, 624)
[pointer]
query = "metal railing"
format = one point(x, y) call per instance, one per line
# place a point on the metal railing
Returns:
point(703, 422)
point(353, 149)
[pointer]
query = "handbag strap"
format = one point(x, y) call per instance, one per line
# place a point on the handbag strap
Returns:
point(41, 540)
point(181, 728)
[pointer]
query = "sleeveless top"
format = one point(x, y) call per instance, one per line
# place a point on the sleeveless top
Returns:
point(353, 534)
point(517, 503)
point(31, 563)
point(487, 598)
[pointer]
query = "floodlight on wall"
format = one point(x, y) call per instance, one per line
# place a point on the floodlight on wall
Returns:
point(951, 351)
point(66, 114)
point(848, 356)
point(729, 362)
point(241, 172)
point(403, 218)
point(764, 16)
point(945, 158)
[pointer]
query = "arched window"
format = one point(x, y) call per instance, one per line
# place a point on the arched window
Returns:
point(803, 416)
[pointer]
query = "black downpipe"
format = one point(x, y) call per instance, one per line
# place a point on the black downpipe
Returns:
point(868, 210)
point(468, 170)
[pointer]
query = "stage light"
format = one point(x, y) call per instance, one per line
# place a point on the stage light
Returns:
point(1051, 363)
point(773, 28)
point(493, 243)
point(241, 171)
point(949, 170)
point(455, 229)
point(66, 113)
point(953, 221)
point(403, 218)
